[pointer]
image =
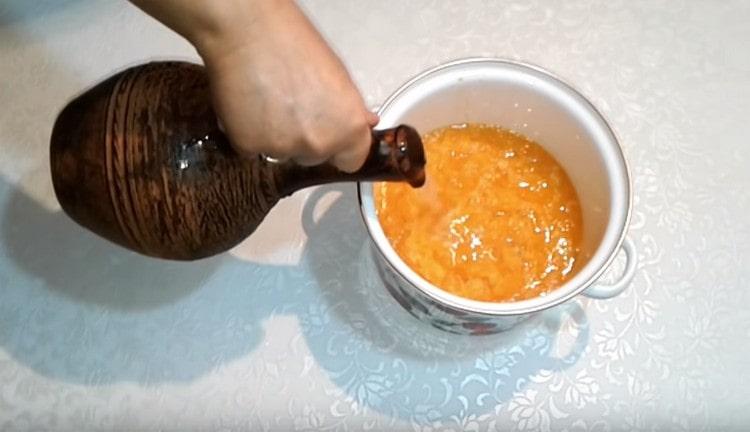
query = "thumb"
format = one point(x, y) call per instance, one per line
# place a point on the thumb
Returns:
point(372, 119)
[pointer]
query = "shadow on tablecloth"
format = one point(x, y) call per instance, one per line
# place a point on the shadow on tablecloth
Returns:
point(76, 308)
point(18, 11)
point(386, 360)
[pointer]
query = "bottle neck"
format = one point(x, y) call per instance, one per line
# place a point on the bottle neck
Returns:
point(395, 154)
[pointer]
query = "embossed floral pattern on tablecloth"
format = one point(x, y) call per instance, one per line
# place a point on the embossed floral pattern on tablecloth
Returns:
point(293, 330)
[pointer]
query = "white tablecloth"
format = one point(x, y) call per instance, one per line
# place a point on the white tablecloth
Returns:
point(293, 331)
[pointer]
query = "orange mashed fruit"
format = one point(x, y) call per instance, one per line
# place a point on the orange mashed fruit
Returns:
point(498, 219)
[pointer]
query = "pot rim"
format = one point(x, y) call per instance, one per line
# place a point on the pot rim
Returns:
point(526, 306)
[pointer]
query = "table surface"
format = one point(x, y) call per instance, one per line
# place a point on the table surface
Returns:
point(293, 331)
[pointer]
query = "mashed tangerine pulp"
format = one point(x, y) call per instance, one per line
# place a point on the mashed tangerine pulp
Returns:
point(498, 219)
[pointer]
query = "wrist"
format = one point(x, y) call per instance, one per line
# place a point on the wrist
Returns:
point(229, 25)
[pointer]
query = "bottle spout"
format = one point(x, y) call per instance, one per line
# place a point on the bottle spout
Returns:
point(408, 152)
point(396, 154)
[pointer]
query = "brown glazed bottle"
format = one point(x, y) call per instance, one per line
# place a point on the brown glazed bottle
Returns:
point(140, 160)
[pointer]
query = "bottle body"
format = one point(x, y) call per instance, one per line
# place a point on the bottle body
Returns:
point(140, 160)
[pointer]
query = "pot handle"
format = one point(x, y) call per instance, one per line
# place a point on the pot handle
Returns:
point(605, 291)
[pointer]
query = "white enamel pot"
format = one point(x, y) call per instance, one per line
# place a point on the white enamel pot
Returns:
point(540, 106)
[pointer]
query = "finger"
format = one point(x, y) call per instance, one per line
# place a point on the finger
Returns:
point(351, 158)
point(372, 119)
point(310, 160)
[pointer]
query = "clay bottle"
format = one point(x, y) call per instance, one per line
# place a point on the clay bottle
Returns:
point(140, 160)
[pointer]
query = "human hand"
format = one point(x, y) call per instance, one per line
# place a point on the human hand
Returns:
point(277, 87)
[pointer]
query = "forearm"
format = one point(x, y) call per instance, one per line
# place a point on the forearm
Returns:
point(208, 24)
